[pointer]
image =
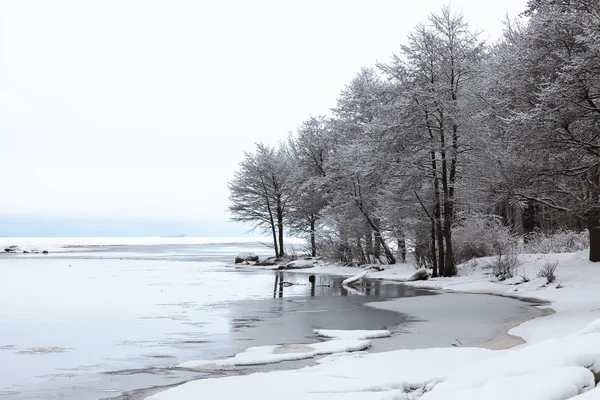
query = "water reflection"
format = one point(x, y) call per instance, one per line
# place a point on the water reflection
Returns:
point(300, 304)
point(298, 284)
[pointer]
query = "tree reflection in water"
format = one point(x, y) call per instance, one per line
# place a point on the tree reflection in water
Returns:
point(298, 284)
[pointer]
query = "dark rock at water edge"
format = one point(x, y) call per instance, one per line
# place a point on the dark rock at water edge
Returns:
point(246, 257)
point(11, 249)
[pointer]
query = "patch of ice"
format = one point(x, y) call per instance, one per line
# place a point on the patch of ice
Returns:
point(352, 334)
point(274, 354)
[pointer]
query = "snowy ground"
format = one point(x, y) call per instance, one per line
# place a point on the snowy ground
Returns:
point(560, 359)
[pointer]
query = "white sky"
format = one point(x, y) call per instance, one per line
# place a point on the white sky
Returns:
point(143, 108)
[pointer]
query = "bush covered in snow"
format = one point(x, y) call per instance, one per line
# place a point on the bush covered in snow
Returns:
point(564, 241)
point(480, 236)
point(505, 265)
point(548, 270)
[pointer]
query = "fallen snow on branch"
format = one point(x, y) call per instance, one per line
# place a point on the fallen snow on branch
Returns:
point(352, 334)
point(355, 278)
point(302, 263)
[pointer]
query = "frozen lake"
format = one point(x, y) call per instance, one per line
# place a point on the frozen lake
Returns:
point(93, 322)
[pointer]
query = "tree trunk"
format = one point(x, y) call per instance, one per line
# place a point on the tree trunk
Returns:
point(386, 250)
point(437, 217)
point(449, 266)
point(313, 243)
point(528, 220)
point(434, 264)
point(441, 256)
point(377, 246)
point(271, 219)
point(369, 244)
point(275, 241)
point(280, 226)
point(272, 223)
point(344, 249)
point(377, 233)
point(360, 252)
point(448, 181)
point(593, 224)
point(402, 248)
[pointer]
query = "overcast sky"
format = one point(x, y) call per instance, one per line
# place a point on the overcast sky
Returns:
point(142, 109)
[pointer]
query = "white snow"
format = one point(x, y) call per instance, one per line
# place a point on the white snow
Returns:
point(302, 263)
point(274, 354)
point(355, 278)
point(554, 369)
point(352, 334)
point(558, 360)
point(246, 256)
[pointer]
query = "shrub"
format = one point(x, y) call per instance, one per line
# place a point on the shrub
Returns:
point(505, 265)
point(480, 236)
point(548, 270)
point(564, 241)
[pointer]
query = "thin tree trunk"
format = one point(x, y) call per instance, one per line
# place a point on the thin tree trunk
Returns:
point(271, 219)
point(402, 247)
point(313, 243)
point(377, 246)
point(275, 241)
point(280, 226)
point(386, 250)
point(344, 248)
point(437, 217)
point(450, 266)
point(369, 244)
point(272, 223)
point(360, 252)
point(434, 274)
point(438, 230)
point(528, 219)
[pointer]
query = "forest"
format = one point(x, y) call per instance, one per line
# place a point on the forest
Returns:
point(453, 148)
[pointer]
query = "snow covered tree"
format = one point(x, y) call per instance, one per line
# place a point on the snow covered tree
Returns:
point(261, 190)
point(434, 72)
point(310, 150)
point(356, 176)
point(557, 61)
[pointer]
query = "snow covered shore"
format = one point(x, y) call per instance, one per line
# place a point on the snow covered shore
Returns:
point(560, 359)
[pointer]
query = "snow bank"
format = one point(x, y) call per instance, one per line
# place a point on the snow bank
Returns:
point(593, 394)
point(546, 384)
point(302, 263)
point(555, 369)
point(274, 354)
point(352, 334)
